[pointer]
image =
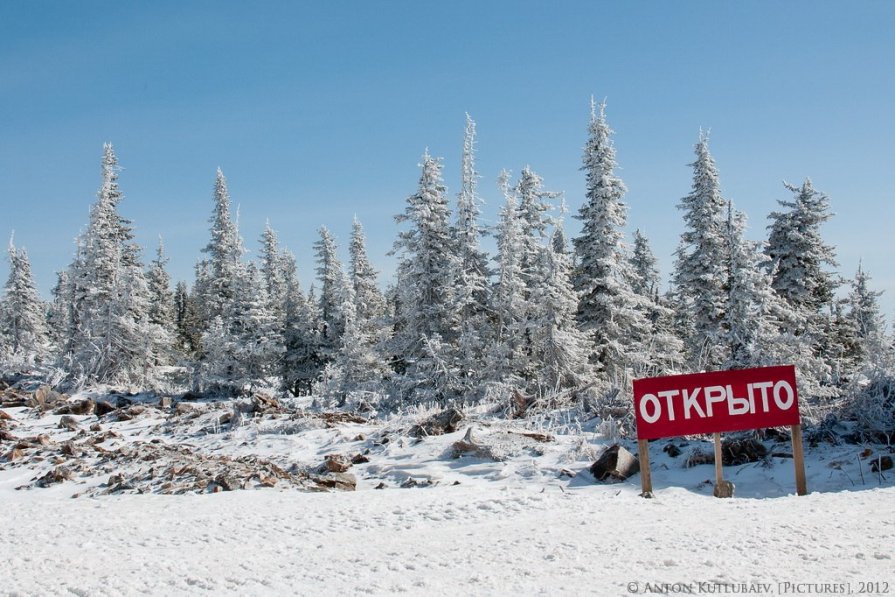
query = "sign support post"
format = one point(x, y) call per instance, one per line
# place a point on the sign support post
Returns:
point(646, 481)
point(798, 459)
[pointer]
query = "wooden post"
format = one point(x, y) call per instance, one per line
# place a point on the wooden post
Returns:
point(646, 481)
point(798, 459)
point(719, 472)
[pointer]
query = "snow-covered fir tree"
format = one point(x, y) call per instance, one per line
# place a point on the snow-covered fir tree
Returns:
point(187, 323)
point(369, 301)
point(426, 322)
point(561, 350)
point(244, 346)
point(700, 268)
point(111, 339)
point(507, 357)
point(273, 273)
point(330, 275)
point(303, 359)
point(24, 335)
point(799, 256)
point(866, 319)
point(161, 299)
point(217, 275)
point(662, 345)
point(608, 310)
point(471, 280)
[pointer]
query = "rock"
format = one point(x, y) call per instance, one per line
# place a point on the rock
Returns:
point(68, 422)
point(123, 401)
point(438, 424)
point(672, 450)
point(96, 427)
point(538, 437)
point(5, 416)
point(14, 454)
point(736, 451)
point(724, 489)
point(699, 456)
point(103, 408)
point(469, 445)
point(567, 473)
point(882, 463)
point(409, 482)
point(381, 485)
point(262, 403)
point(57, 475)
point(339, 481)
point(81, 407)
point(70, 449)
point(360, 437)
point(336, 463)
point(228, 483)
point(45, 397)
point(165, 402)
point(615, 463)
point(359, 459)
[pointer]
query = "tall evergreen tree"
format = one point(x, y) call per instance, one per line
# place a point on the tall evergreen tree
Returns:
point(608, 310)
point(274, 273)
point(218, 276)
point(471, 287)
point(303, 358)
point(23, 326)
point(111, 339)
point(866, 319)
point(187, 324)
point(700, 270)
point(644, 266)
point(368, 299)
point(426, 321)
point(161, 299)
point(330, 275)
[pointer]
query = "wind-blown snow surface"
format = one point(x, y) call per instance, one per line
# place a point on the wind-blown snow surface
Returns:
point(471, 526)
point(444, 540)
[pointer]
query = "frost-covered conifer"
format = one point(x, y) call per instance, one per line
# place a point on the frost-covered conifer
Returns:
point(273, 273)
point(303, 359)
point(368, 299)
point(507, 357)
point(644, 266)
point(330, 274)
point(700, 270)
point(217, 276)
point(23, 325)
point(111, 339)
point(426, 322)
point(560, 349)
point(866, 318)
point(161, 300)
point(608, 310)
point(471, 287)
point(187, 324)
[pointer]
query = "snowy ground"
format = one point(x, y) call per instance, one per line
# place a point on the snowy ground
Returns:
point(469, 525)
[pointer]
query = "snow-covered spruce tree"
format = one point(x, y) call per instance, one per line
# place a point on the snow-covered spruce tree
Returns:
point(161, 299)
point(187, 324)
point(700, 270)
point(533, 205)
point(426, 323)
point(866, 319)
point(369, 302)
point(358, 369)
point(608, 310)
point(23, 325)
point(303, 359)
point(330, 274)
point(244, 346)
point(111, 339)
point(798, 254)
point(59, 310)
point(274, 273)
point(217, 276)
point(471, 286)
point(560, 349)
point(663, 346)
point(507, 358)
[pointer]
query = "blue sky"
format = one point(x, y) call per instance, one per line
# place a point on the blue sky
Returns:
point(319, 111)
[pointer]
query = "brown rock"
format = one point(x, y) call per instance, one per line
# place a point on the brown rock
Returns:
point(81, 407)
point(14, 454)
point(68, 422)
point(103, 408)
point(339, 481)
point(96, 427)
point(438, 424)
point(165, 402)
point(615, 463)
point(336, 463)
point(5, 416)
point(359, 459)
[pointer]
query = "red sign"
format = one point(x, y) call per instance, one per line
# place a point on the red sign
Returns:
point(716, 401)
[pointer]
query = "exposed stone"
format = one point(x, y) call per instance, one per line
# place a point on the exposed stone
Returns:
point(881, 463)
point(736, 451)
point(336, 463)
point(672, 450)
point(6, 416)
point(340, 481)
point(81, 407)
point(359, 459)
point(615, 464)
point(438, 424)
point(68, 422)
point(103, 408)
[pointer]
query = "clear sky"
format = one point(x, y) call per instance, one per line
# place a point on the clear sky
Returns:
point(317, 111)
